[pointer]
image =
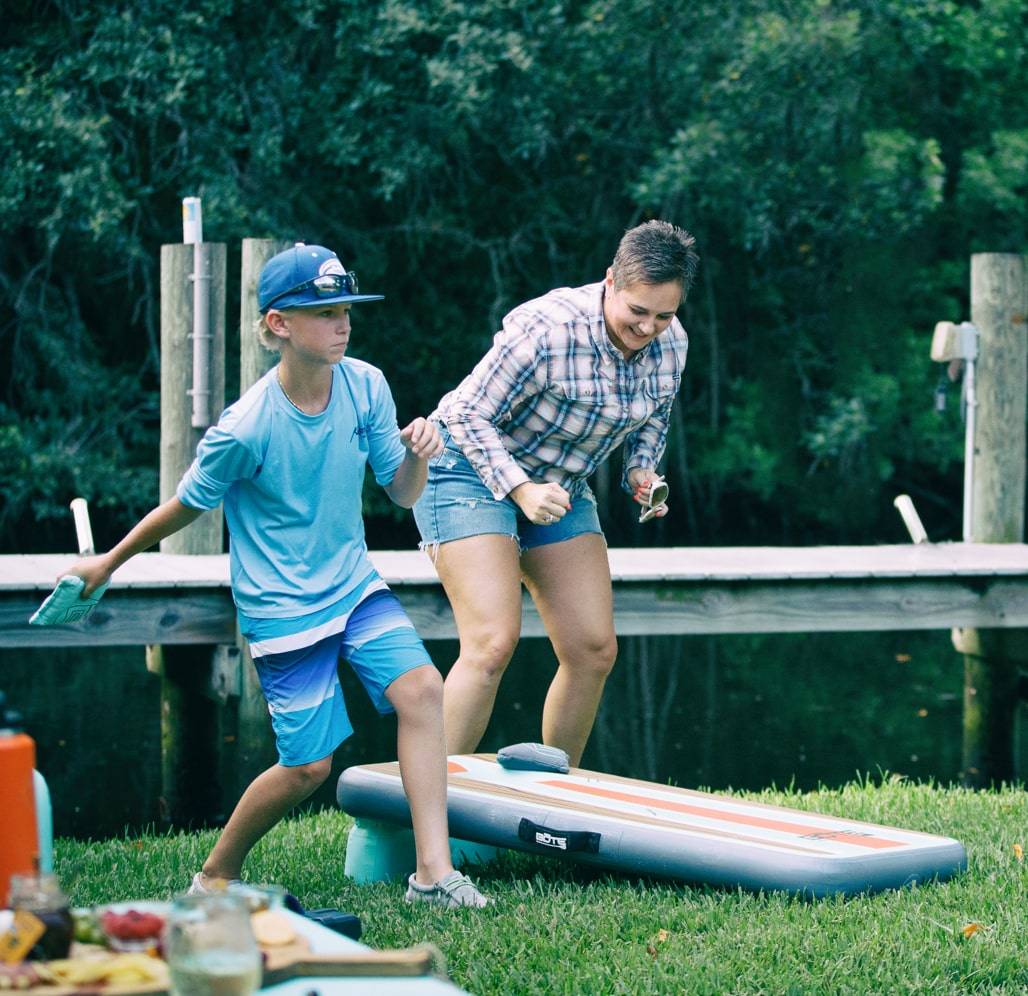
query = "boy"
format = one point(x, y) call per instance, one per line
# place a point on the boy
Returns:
point(288, 460)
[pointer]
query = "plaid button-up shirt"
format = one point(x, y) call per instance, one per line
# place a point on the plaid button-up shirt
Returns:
point(553, 397)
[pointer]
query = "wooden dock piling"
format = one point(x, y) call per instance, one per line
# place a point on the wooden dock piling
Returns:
point(190, 719)
point(254, 359)
point(993, 659)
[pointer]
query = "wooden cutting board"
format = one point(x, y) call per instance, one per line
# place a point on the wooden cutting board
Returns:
point(296, 960)
point(96, 954)
point(282, 962)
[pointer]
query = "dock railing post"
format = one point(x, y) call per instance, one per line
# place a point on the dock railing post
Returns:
point(254, 745)
point(993, 657)
point(189, 718)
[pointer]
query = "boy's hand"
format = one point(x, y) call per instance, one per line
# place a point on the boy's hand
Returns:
point(422, 439)
point(93, 570)
point(76, 593)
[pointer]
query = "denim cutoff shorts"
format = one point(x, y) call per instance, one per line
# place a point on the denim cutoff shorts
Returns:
point(456, 504)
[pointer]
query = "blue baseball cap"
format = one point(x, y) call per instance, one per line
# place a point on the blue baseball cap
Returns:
point(305, 276)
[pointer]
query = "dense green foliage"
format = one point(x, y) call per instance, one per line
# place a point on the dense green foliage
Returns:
point(838, 162)
point(555, 929)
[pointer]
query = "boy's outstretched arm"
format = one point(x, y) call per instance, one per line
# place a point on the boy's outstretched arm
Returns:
point(423, 442)
point(151, 529)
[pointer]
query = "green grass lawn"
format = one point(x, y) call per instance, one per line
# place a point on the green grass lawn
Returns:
point(559, 929)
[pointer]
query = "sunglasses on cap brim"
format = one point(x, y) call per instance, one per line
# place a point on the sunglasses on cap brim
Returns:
point(327, 285)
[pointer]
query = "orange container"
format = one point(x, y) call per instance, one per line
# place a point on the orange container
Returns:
point(19, 840)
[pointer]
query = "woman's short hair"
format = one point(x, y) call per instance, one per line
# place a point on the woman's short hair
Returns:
point(655, 252)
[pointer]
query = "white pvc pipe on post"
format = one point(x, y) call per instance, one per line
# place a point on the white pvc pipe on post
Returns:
point(83, 529)
point(192, 234)
point(911, 519)
point(958, 345)
point(971, 404)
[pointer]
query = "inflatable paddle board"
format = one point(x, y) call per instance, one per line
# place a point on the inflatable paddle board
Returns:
point(639, 827)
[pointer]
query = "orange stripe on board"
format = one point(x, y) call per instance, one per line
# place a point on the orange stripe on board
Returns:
point(454, 768)
point(797, 830)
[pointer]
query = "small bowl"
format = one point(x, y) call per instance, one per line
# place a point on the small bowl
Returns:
point(130, 928)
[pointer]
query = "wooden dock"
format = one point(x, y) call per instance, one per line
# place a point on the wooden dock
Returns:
point(169, 599)
point(178, 602)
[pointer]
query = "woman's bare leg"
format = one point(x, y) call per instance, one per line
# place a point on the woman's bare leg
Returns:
point(482, 579)
point(570, 584)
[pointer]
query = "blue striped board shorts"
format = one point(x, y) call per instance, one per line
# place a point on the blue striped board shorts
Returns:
point(297, 662)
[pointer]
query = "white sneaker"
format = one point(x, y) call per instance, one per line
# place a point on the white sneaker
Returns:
point(451, 892)
point(204, 886)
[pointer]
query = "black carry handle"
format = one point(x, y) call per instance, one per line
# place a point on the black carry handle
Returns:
point(559, 840)
point(347, 924)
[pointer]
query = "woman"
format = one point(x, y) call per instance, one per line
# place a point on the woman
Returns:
point(571, 376)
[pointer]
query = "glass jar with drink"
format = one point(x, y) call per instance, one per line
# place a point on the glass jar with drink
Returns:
point(42, 898)
point(210, 947)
